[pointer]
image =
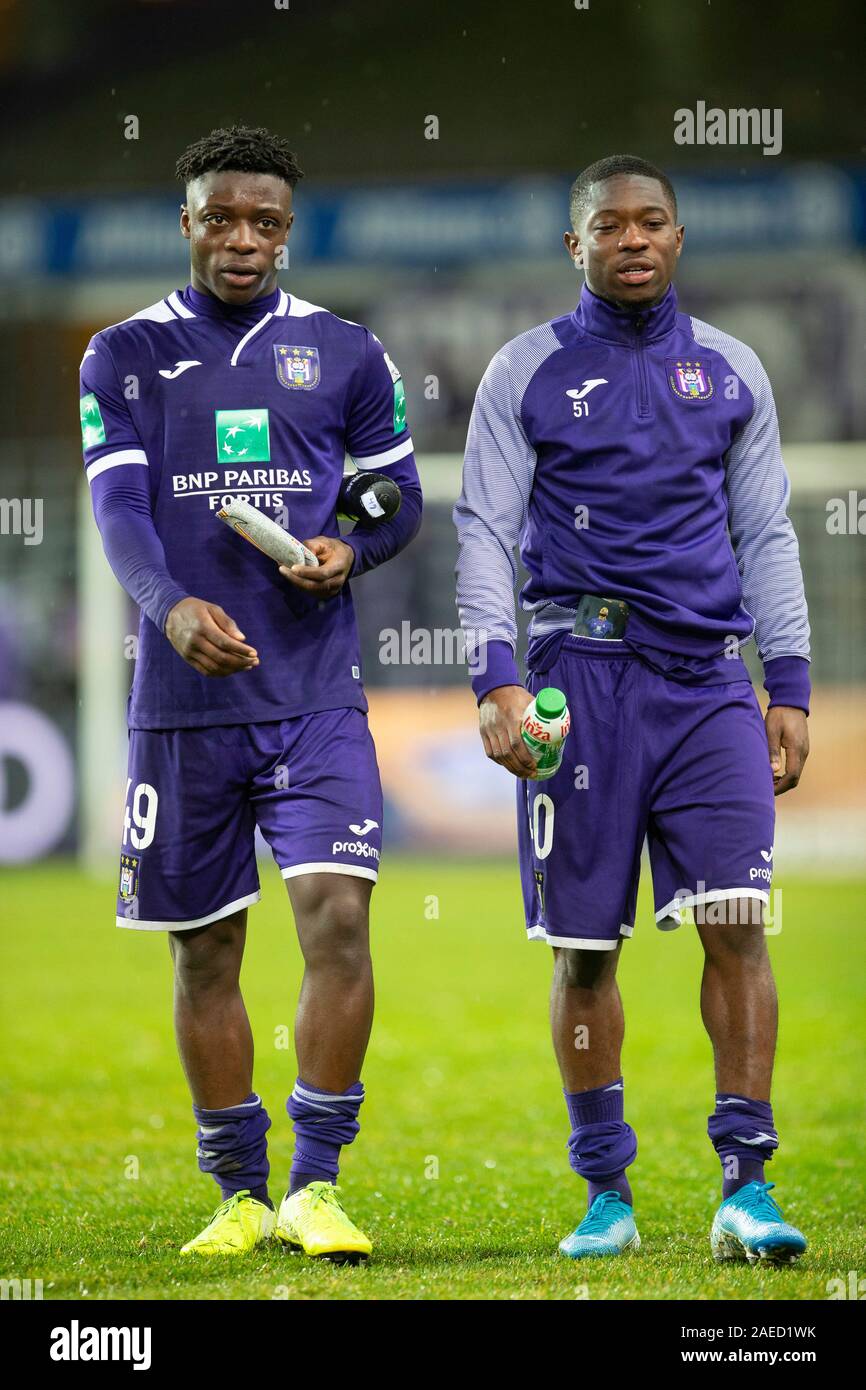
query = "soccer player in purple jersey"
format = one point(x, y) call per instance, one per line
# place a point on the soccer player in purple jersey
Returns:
point(247, 707)
point(631, 452)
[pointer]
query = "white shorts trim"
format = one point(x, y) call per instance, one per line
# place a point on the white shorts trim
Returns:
point(538, 933)
point(356, 870)
point(670, 922)
point(674, 908)
point(136, 924)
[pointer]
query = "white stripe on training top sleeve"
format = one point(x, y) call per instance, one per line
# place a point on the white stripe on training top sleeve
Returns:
point(758, 490)
point(498, 469)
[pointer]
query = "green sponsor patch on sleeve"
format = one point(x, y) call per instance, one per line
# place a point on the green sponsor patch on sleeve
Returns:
point(399, 406)
point(92, 428)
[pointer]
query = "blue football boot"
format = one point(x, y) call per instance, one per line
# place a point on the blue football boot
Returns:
point(607, 1229)
point(749, 1226)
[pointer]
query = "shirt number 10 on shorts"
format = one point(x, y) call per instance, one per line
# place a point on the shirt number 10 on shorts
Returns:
point(140, 826)
point(542, 830)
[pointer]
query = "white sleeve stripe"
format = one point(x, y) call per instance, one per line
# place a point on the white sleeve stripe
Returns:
point(758, 491)
point(389, 456)
point(498, 472)
point(107, 461)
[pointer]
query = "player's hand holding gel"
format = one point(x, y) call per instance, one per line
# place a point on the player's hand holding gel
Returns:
point(545, 728)
point(264, 533)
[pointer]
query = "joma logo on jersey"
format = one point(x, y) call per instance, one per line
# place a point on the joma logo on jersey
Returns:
point(242, 436)
point(577, 395)
point(298, 368)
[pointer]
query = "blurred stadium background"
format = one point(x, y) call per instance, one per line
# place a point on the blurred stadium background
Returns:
point(446, 247)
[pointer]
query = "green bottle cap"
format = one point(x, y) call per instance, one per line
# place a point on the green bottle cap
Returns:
point(550, 702)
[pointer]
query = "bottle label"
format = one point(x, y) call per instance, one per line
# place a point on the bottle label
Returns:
point(545, 739)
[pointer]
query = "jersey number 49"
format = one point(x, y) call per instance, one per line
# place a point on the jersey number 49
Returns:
point(139, 825)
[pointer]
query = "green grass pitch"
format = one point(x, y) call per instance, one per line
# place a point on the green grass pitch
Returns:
point(460, 1172)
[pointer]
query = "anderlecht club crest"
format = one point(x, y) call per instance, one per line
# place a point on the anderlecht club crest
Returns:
point(129, 866)
point(298, 368)
point(689, 379)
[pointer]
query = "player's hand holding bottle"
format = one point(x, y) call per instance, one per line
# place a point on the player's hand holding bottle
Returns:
point(208, 639)
point(501, 713)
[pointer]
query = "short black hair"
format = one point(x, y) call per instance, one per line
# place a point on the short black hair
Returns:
point(606, 169)
point(247, 149)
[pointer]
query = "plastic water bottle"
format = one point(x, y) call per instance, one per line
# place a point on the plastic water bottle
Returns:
point(545, 727)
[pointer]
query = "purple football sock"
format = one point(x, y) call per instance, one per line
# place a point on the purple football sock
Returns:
point(601, 1145)
point(750, 1170)
point(232, 1147)
point(620, 1185)
point(323, 1122)
point(298, 1179)
point(744, 1137)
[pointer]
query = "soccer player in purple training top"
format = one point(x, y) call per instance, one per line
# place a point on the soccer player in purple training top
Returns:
point(632, 453)
point(247, 706)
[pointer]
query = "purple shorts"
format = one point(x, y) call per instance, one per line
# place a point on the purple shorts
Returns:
point(195, 796)
point(684, 766)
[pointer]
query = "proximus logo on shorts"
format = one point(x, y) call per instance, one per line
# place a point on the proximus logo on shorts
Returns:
point(359, 847)
point(760, 873)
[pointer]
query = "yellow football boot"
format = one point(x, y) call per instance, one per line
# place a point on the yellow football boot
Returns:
point(236, 1226)
point(313, 1220)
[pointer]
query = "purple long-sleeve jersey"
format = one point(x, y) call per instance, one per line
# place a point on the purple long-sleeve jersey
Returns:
point(193, 401)
point(632, 455)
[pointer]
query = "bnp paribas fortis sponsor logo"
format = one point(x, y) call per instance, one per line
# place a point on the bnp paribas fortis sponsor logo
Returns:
point(242, 436)
point(243, 443)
